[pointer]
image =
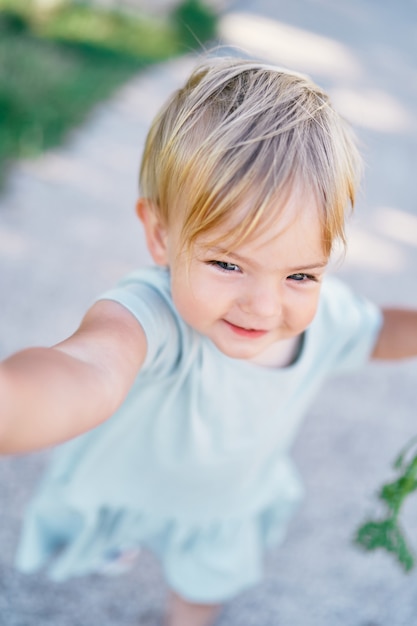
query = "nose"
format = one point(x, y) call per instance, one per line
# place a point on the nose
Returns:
point(263, 299)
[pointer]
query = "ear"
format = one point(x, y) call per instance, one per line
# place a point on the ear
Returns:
point(155, 231)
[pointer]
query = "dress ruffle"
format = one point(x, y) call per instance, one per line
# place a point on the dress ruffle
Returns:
point(79, 542)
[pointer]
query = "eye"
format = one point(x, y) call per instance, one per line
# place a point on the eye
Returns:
point(300, 277)
point(224, 266)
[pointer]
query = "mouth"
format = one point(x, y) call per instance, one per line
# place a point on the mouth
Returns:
point(246, 332)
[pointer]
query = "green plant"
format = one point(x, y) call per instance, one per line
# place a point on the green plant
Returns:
point(387, 533)
point(56, 64)
point(195, 22)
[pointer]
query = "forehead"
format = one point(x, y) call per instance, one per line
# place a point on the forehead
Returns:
point(292, 216)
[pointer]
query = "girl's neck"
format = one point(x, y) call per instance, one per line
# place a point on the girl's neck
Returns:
point(280, 354)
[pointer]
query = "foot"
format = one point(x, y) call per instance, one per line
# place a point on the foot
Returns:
point(184, 613)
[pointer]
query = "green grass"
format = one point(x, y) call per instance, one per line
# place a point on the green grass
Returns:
point(55, 66)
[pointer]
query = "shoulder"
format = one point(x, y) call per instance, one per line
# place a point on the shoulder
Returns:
point(146, 294)
point(346, 326)
point(148, 279)
point(340, 305)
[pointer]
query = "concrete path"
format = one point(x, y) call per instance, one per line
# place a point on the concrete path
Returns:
point(68, 231)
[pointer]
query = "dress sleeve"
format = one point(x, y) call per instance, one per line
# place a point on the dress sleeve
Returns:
point(348, 324)
point(150, 304)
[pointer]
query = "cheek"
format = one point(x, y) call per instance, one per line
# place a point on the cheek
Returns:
point(311, 308)
point(304, 308)
point(181, 296)
point(192, 300)
point(200, 298)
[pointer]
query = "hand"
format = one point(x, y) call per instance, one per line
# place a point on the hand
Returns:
point(398, 335)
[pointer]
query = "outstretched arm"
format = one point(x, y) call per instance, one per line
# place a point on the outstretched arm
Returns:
point(398, 336)
point(48, 395)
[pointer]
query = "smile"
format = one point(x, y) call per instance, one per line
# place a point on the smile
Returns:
point(245, 332)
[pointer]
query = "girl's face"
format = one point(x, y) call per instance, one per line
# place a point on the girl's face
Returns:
point(260, 293)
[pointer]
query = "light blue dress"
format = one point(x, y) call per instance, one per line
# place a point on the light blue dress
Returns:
point(196, 463)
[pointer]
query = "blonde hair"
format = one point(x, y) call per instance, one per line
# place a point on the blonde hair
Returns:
point(241, 133)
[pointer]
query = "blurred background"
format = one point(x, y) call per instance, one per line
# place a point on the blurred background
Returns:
point(59, 58)
point(79, 85)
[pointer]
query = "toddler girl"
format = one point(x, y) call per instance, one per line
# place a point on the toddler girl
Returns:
point(192, 376)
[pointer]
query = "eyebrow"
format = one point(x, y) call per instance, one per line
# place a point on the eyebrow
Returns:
point(313, 266)
point(241, 259)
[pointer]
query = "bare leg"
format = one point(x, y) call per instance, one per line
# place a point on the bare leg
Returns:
point(184, 613)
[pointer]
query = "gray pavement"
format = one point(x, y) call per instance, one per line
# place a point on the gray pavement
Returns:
point(68, 231)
